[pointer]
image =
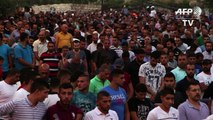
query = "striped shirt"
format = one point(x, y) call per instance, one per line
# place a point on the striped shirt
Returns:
point(23, 110)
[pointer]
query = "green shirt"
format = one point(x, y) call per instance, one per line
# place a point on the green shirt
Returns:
point(96, 84)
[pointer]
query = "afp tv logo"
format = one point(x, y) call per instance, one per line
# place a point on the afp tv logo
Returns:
point(188, 15)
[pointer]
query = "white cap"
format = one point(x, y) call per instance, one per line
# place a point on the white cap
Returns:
point(76, 40)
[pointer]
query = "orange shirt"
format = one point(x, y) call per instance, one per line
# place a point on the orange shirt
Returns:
point(63, 39)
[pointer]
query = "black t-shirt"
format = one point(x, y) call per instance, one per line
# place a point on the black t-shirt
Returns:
point(142, 108)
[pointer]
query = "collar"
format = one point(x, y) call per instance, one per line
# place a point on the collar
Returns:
point(99, 113)
point(191, 106)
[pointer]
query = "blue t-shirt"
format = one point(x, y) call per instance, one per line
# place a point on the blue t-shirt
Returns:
point(86, 102)
point(25, 53)
point(5, 52)
point(119, 99)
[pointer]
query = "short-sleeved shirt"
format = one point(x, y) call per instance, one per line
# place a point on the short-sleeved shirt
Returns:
point(142, 108)
point(25, 53)
point(57, 112)
point(5, 52)
point(86, 102)
point(96, 84)
point(118, 100)
point(152, 75)
point(63, 40)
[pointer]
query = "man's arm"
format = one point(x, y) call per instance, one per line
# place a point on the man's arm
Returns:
point(79, 117)
point(182, 113)
point(7, 108)
point(133, 115)
point(127, 114)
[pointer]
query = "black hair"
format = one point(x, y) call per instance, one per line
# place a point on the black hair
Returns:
point(166, 91)
point(155, 55)
point(39, 84)
point(192, 83)
point(62, 73)
point(169, 74)
point(27, 75)
point(101, 94)
point(12, 72)
point(116, 72)
point(140, 88)
point(139, 51)
point(23, 36)
point(206, 62)
point(65, 86)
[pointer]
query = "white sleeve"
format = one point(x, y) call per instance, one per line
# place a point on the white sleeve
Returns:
point(141, 72)
point(151, 116)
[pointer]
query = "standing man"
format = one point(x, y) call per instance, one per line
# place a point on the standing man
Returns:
point(82, 98)
point(103, 108)
point(23, 53)
point(151, 74)
point(193, 108)
point(30, 108)
point(63, 110)
point(63, 37)
point(93, 46)
point(165, 111)
point(118, 95)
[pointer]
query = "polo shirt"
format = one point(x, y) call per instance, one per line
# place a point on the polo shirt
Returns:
point(5, 52)
point(25, 53)
point(96, 84)
point(63, 39)
point(188, 112)
point(96, 114)
point(178, 73)
point(23, 110)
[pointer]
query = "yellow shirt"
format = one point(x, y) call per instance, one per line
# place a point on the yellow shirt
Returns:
point(63, 39)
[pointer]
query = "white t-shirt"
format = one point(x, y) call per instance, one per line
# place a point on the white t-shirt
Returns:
point(39, 47)
point(159, 114)
point(20, 94)
point(92, 47)
point(208, 56)
point(51, 100)
point(152, 75)
point(205, 78)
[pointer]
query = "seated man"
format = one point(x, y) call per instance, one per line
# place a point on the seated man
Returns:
point(63, 110)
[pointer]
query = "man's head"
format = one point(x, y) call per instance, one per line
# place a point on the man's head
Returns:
point(154, 58)
point(190, 70)
point(169, 80)
point(104, 72)
point(76, 44)
point(164, 59)
point(106, 44)
point(139, 53)
point(178, 42)
point(51, 47)
point(103, 101)
point(24, 37)
point(95, 36)
point(193, 91)
point(40, 89)
point(42, 35)
point(43, 70)
point(191, 58)
point(208, 46)
point(206, 66)
point(13, 76)
point(117, 77)
point(64, 28)
point(65, 93)
point(83, 82)
point(27, 76)
point(182, 61)
point(140, 91)
point(64, 76)
point(167, 97)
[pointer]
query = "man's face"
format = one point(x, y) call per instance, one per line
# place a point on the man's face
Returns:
point(190, 71)
point(182, 61)
point(206, 67)
point(153, 61)
point(76, 45)
point(65, 51)
point(65, 79)
point(16, 78)
point(167, 100)
point(192, 60)
point(208, 47)
point(42, 94)
point(194, 92)
point(105, 74)
point(178, 42)
point(51, 47)
point(44, 73)
point(163, 59)
point(141, 95)
point(169, 82)
point(106, 44)
point(82, 83)
point(140, 57)
point(95, 38)
point(119, 79)
point(104, 103)
point(65, 95)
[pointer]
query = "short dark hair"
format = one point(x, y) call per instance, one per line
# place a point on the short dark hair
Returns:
point(166, 91)
point(206, 62)
point(192, 83)
point(23, 36)
point(139, 51)
point(54, 83)
point(39, 84)
point(169, 74)
point(27, 75)
point(116, 72)
point(104, 67)
point(140, 88)
point(65, 86)
point(62, 73)
point(101, 94)
point(12, 72)
point(155, 55)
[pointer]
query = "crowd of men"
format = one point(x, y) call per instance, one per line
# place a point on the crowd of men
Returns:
point(116, 65)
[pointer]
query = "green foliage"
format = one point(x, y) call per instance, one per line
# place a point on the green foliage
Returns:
point(113, 4)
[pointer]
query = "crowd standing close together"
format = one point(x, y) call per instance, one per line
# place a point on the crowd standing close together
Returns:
point(116, 65)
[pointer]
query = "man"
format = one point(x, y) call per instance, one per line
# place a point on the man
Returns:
point(32, 106)
point(118, 95)
point(182, 84)
point(82, 98)
point(62, 109)
point(40, 46)
point(208, 53)
point(8, 87)
point(100, 80)
point(64, 76)
point(63, 38)
point(179, 71)
point(139, 106)
point(27, 77)
point(23, 53)
point(6, 55)
point(205, 77)
point(164, 61)
point(181, 45)
point(102, 111)
point(133, 67)
point(93, 46)
point(165, 110)
point(169, 81)
point(52, 58)
point(151, 74)
point(44, 70)
point(192, 108)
